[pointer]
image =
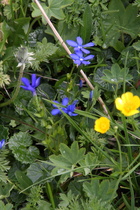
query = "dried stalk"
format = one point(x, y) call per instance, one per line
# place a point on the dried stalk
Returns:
point(69, 52)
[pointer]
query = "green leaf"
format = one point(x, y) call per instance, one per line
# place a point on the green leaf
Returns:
point(66, 161)
point(44, 205)
point(5, 190)
point(119, 20)
point(116, 75)
point(42, 52)
point(73, 155)
point(3, 132)
point(38, 170)
point(22, 24)
point(23, 180)
point(86, 29)
point(8, 206)
point(66, 32)
point(136, 45)
point(54, 9)
point(60, 162)
point(89, 163)
point(6, 30)
point(46, 90)
point(102, 191)
point(20, 144)
point(98, 79)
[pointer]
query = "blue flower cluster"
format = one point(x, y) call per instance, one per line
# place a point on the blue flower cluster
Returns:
point(31, 86)
point(67, 109)
point(35, 82)
point(79, 49)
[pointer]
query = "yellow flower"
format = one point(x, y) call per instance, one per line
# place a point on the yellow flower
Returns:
point(128, 104)
point(102, 125)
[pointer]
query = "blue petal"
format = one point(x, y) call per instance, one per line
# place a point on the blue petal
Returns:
point(91, 95)
point(80, 83)
point(65, 110)
point(90, 44)
point(24, 87)
point(30, 88)
point(79, 40)
point(71, 108)
point(86, 62)
point(74, 56)
point(89, 57)
point(85, 51)
point(76, 49)
point(55, 105)
point(37, 83)
point(55, 112)
point(71, 43)
point(78, 62)
point(25, 81)
point(79, 53)
point(75, 102)
point(72, 114)
point(2, 142)
point(33, 80)
point(65, 101)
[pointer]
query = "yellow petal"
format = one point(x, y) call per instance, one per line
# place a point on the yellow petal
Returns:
point(119, 103)
point(132, 112)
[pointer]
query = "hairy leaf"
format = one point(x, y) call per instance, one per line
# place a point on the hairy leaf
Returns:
point(20, 144)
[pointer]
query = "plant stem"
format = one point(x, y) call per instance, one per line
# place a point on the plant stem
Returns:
point(125, 72)
point(17, 88)
point(127, 139)
point(49, 190)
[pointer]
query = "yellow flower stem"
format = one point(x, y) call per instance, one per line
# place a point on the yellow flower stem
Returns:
point(17, 88)
point(127, 139)
point(129, 151)
point(120, 152)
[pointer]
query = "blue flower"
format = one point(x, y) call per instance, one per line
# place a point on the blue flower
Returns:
point(79, 45)
point(31, 86)
point(79, 59)
point(70, 109)
point(67, 109)
point(91, 95)
point(2, 142)
point(80, 83)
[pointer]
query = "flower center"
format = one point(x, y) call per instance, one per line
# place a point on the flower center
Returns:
point(103, 126)
point(129, 107)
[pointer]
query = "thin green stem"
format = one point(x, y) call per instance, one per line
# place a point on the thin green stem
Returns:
point(129, 150)
point(127, 139)
point(17, 88)
point(21, 8)
point(137, 62)
point(49, 190)
point(120, 153)
point(11, 7)
point(124, 75)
